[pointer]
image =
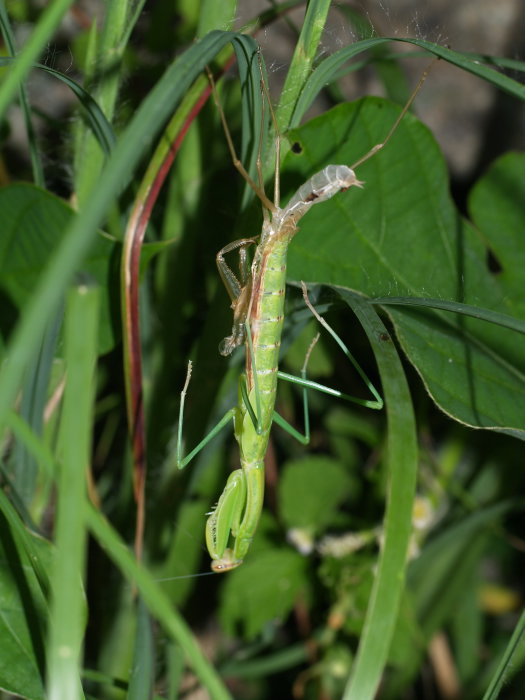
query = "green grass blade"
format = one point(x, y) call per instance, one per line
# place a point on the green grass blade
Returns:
point(438, 578)
point(23, 606)
point(157, 602)
point(89, 159)
point(143, 670)
point(133, 18)
point(472, 65)
point(136, 139)
point(302, 60)
point(36, 162)
point(33, 444)
point(496, 317)
point(498, 679)
point(328, 70)
point(386, 63)
point(32, 409)
point(44, 30)
point(68, 605)
point(33, 555)
point(325, 73)
point(402, 456)
point(99, 125)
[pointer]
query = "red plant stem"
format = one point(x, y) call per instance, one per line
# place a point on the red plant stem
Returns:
point(130, 268)
point(130, 275)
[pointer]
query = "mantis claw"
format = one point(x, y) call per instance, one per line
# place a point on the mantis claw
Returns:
point(226, 563)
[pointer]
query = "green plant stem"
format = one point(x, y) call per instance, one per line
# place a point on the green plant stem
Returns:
point(302, 61)
point(89, 156)
point(157, 602)
point(67, 618)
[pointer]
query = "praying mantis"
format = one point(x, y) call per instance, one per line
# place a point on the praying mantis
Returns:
point(257, 297)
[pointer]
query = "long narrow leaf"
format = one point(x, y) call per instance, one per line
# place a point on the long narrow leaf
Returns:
point(149, 189)
point(136, 139)
point(505, 665)
point(44, 30)
point(327, 70)
point(402, 458)
point(67, 621)
point(9, 39)
point(157, 602)
point(499, 319)
point(303, 58)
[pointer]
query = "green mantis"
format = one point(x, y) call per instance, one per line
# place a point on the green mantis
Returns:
point(258, 305)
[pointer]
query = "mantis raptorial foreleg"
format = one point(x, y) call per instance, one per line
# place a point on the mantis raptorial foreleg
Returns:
point(258, 303)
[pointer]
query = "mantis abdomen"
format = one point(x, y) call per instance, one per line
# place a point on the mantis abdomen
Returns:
point(245, 486)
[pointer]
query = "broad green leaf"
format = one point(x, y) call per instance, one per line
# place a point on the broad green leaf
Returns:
point(262, 590)
point(33, 225)
point(22, 614)
point(310, 492)
point(401, 236)
point(497, 208)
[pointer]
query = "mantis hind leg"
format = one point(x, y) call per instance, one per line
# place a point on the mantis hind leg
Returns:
point(376, 403)
point(227, 417)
